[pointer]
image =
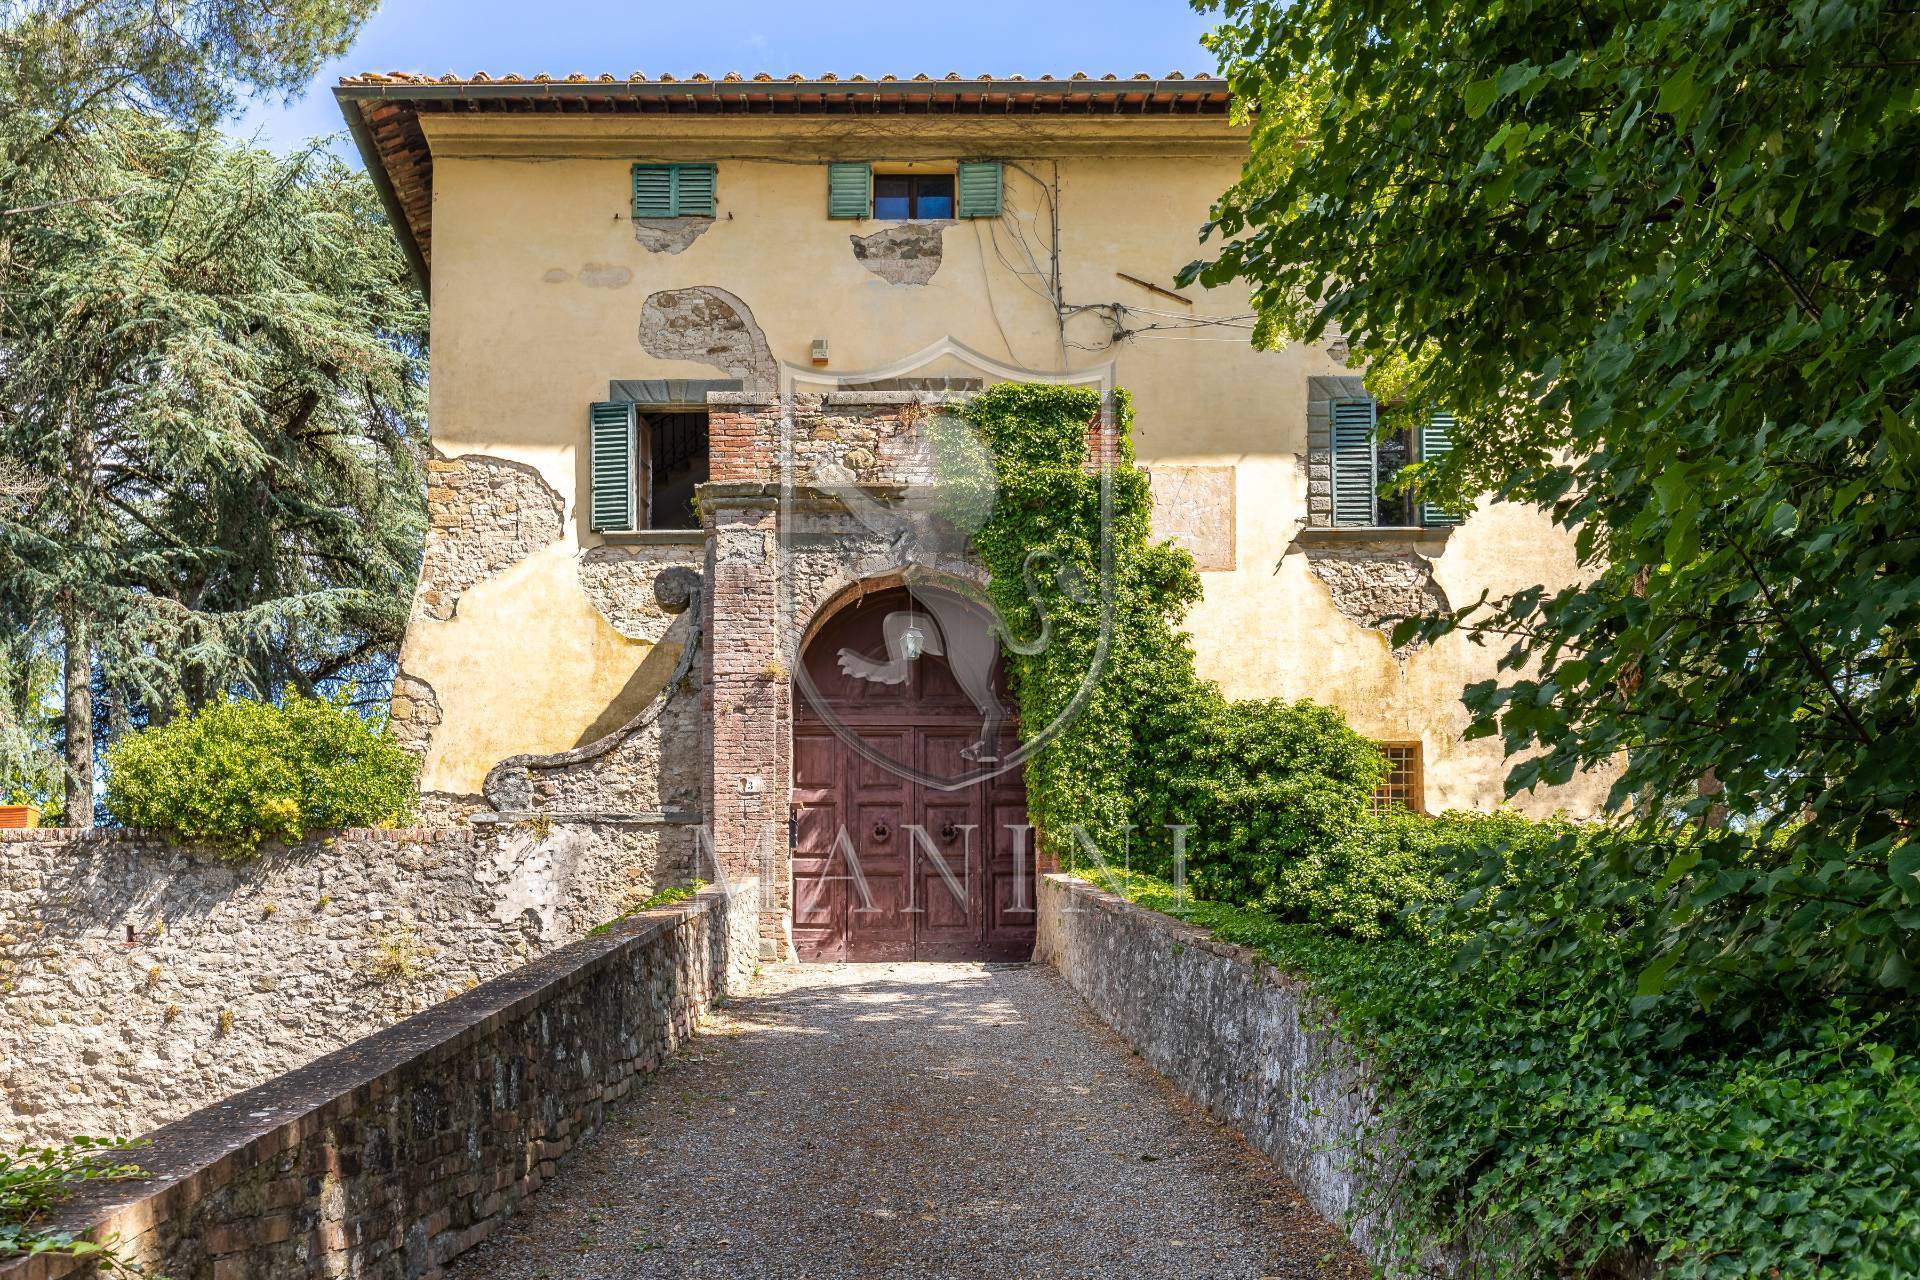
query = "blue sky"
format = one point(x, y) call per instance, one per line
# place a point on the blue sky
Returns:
point(1004, 37)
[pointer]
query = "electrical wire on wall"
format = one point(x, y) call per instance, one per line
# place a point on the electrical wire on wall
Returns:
point(1026, 244)
point(1123, 320)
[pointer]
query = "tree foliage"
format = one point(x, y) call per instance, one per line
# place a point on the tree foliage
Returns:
point(66, 64)
point(214, 369)
point(1661, 261)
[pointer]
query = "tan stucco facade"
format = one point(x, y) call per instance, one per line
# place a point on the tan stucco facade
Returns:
point(540, 293)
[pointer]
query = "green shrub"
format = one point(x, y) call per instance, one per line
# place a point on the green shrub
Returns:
point(1546, 1111)
point(35, 1179)
point(236, 773)
point(1266, 785)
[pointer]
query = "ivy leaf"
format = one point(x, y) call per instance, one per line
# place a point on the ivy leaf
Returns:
point(1480, 95)
point(1653, 980)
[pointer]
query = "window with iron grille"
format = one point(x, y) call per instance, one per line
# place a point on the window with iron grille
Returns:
point(645, 467)
point(1403, 784)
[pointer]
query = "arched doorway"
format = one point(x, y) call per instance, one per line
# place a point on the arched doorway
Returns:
point(909, 840)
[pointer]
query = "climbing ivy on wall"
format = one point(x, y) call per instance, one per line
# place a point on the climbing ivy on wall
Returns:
point(1260, 784)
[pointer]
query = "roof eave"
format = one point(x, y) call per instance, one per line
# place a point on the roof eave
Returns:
point(376, 166)
point(431, 90)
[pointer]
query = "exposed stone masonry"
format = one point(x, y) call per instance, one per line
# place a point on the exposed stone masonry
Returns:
point(906, 255)
point(669, 235)
point(139, 980)
point(415, 711)
point(636, 588)
point(1378, 582)
point(393, 1156)
point(710, 325)
point(484, 514)
point(865, 433)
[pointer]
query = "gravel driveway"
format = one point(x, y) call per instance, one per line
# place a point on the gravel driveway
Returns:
point(911, 1120)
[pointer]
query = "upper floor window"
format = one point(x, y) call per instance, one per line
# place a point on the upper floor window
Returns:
point(643, 468)
point(674, 190)
point(913, 196)
point(971, 190)
point(1364, 463)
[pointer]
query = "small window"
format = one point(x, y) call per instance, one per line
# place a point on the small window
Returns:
point(1403, 785)
point(913, 197)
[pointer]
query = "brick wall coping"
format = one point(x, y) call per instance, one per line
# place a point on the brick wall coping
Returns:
point(193, 1155)
point(127, 835)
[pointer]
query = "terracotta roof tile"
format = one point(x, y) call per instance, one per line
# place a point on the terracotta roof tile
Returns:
point(701, 77)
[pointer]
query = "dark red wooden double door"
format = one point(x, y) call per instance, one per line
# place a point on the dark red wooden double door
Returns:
point(889, 863)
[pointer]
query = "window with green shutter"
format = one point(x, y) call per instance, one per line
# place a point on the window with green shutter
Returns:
point(674, 190)
point(849, 189)
point(979, 184)
point(1436, 441)
point(1355, 469)
point(610, 439)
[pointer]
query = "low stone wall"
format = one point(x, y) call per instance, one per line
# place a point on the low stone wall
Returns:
point(1233, 1034)
point(391, 1156)
point(140, 981)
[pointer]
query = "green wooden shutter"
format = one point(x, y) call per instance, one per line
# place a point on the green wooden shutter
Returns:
point(849, 190)
point(610, 465)
point(653, 191)
point(1356, 470)
point(1436, 441)
point(673, 190)
point(977, 189)
point(693, 191)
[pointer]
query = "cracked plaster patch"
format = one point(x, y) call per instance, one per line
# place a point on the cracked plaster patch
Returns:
point(1377, 586)
point(908, 255)
point(712, 326)
point(669, 235)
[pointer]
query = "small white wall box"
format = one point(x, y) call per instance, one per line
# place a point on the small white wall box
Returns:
point(819, 350)
point(752, 786)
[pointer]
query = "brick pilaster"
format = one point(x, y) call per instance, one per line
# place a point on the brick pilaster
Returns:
point(751, 713)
